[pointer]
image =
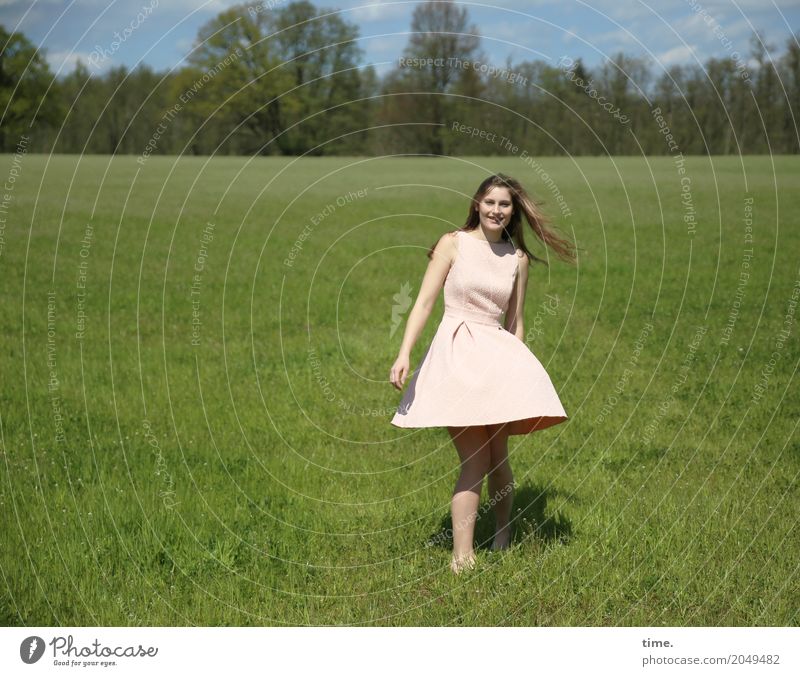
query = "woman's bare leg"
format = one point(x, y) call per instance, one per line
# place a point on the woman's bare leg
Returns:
point(472, 445)
point(501, 484)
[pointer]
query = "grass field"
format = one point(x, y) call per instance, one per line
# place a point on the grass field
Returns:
point(242, 470)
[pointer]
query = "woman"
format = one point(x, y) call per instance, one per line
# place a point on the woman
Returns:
point(478, 378)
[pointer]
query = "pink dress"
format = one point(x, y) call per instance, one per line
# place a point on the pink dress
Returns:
point(475, 372)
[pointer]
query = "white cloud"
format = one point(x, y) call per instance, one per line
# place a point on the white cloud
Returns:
point(618, 37)
point(64, 62)
point(389, 46)
point(172, 5)
point(614, 7)
point(184, 44)
point(502, 26)
point(378, 12)
point(676, 55)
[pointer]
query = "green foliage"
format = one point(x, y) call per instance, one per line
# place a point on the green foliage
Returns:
point(289, 79)
point(25, 79)
point(440, 36)
point(290, 69)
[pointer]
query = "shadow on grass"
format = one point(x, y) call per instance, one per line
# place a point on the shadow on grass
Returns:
point(528, 521)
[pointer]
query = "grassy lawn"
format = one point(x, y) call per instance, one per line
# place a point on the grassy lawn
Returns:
point(241, 469)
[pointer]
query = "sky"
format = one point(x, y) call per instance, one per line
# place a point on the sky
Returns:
point(161, 33)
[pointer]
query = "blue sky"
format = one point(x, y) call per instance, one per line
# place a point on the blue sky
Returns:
point(161, 32)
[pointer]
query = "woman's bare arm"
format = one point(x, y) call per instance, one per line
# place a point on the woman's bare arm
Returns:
point(516, 304)
point(443, 255)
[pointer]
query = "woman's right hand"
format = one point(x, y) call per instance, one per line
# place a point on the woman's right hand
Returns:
point(397, 376)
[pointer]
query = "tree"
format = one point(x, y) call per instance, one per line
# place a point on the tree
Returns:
point(321, 53)
point(441, 52)
point(281, 66)
point(622, 80)
point(83, 98)
point(791, 118)
point(24, 81)
point(234, 74)
point(767, 93)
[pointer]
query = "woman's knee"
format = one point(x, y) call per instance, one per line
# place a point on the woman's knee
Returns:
point(500, 472)
point(498, 447)
point(474, 450)
point(478, 464)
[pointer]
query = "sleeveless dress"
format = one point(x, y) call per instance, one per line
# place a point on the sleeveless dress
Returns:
point(474, 372)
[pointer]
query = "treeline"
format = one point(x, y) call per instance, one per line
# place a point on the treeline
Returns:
point(290, 80)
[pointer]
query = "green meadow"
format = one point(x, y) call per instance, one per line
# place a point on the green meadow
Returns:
point(195, 400)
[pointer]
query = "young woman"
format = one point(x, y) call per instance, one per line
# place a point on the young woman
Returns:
point(478, 378)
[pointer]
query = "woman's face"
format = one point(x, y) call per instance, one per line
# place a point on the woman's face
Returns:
point(495, 210)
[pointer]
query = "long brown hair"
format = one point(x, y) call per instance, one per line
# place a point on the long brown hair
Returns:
point(522, 203)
